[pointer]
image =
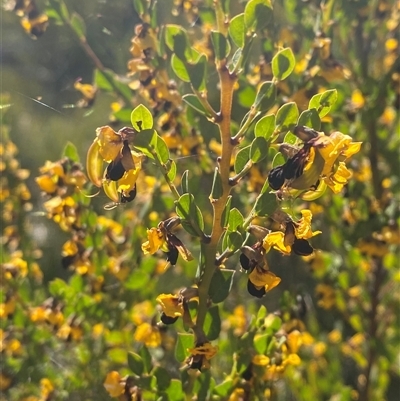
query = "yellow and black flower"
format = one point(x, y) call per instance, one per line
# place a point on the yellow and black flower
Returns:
point(294, 238)
point(119, 178)
point(200, 355)
point(172, 307)
point(160, 237)
point(260, 278)
point(320, 159)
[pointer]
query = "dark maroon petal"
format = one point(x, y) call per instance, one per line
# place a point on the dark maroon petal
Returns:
point(168, 319)
point(131, 197)
point(115, 170)
point(251, 288)
point(302, 247)
point(276, 177)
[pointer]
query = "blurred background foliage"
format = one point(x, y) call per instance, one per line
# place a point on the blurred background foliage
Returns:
point(345, 297)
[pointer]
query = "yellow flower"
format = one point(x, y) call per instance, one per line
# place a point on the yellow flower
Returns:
point(275, 240)
point(148, 334)
point(46, 183)
point(264, 278)
point(155, 241)
point(206, 349)
point(292, 359)
point(326, 295)
point(172, 305)
point(7, 308)
point(114, 384)
point(294, 341)
point(46, 388)
point(337, 145)
point(303, 228)
point(260, 360)
point(110, 143)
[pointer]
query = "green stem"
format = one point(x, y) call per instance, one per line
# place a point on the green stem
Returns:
point(242, 131)
point(212, 115)
point(164, 172)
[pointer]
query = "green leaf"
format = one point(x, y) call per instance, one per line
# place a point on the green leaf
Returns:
point(162, 150)
point(257, 13)
point(237, 30)
point(123, 115)
point(323, 102)
point(246, 96)
point(163, 378)
point(265, 127)
point(262, 312)
point(278, 160)
point(194, 102)
point(58, 287)
point(261, 342)
point(221, 285)
point(103, 81)
point(78, 25)
point(145, 141)
point(174, 391)
point(259, 149)
point(171, 32)
point(179, 68)
point(140, 6)
point(283, 64)
point(212, 323)
point(189, 212)
point(135, 363)
point(234, 240)
point(141, 118)
point(220, 44)
point(71, 152)
point(266, 204)
point(181, 45)
point(226, 212)
point(241, 159)
point(266, 95)
point(223, 389)
point(290, 138)
point(310, 118)
point(76, 283)
point(171, 170)
point(183, 342)
point(197, 72)
point(216, 191)
point(236, 58)
point(185, 182)
point(146, 357)
point(286, 117)
point(235, 220)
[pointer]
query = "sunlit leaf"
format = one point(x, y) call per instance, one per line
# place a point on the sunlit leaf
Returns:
point(283, 64)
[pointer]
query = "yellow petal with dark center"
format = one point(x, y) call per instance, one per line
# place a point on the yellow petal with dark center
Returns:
point(171, 305)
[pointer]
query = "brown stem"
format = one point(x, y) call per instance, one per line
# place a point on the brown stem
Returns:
point(209, 250)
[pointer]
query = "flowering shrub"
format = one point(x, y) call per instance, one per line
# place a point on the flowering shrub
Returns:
point(252, 189)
